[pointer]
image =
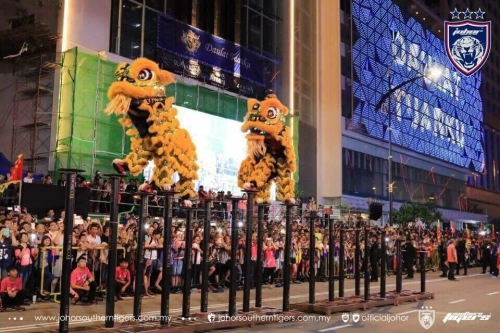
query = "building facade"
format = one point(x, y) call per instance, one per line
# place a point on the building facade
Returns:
point(439, 143)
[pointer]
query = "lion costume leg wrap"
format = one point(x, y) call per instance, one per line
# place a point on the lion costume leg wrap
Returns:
point(184, 162)
point(139, 156)
point(259, 173)
point(284, 182)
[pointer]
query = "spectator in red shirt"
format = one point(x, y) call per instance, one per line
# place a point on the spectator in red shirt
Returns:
point(82, 282)
point(12, 291)
point(122, 276)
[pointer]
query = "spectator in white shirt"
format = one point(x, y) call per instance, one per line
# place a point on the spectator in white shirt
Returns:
point(29, 177)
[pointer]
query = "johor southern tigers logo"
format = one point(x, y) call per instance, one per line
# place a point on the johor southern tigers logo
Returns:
point(467, 42)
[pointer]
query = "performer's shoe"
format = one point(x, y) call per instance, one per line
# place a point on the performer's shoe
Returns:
point(251, 186)
point(187, 203)
point(146, 188)
point(120, 166)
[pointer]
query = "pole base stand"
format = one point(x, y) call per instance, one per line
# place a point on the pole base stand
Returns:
point(353, 303)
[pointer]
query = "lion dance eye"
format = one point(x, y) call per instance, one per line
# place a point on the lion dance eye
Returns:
point(145, 75)
point(272, 113)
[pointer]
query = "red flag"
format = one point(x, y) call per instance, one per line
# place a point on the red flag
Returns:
point(17, 170)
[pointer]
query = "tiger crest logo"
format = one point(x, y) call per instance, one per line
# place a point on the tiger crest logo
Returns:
point(467, 42)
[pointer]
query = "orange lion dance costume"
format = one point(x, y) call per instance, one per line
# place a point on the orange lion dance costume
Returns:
point(270, 150)
point(138, 97)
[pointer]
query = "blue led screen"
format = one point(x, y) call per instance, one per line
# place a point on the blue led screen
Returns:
point(437, 117)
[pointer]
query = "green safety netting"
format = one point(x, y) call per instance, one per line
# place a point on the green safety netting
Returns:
point(88, 139)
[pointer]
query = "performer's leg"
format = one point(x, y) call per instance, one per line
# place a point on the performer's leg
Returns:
point(186, 166)
point(163, 171)
point(137, 159)
point(256, 174)
point(284, 182)
point(264, 195)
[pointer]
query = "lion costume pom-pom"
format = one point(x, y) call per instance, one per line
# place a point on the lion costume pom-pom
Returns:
point(270, 150)
point(138, 97)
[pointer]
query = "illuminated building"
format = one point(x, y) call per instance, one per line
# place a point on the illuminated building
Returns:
point(438, 136)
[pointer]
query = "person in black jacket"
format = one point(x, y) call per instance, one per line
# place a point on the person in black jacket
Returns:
point(442, 257)
point(374, 258)
point(409, 257)
point(461, 256)
point(485, 256)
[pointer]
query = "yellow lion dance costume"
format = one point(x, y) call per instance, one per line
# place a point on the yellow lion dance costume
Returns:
point(270, 150)
point(138, 96)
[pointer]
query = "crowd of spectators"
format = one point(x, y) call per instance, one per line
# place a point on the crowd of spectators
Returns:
point(30, 254)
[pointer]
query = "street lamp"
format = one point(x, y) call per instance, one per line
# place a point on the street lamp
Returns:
point(434, 74)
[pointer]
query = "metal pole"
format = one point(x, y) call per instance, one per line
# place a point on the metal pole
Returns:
point(331, 260)
point(68, 233)
point(367, 267)
point(423, 254)
point(167, 256)
point(112, 256)
point(399, 276)
point(357, 255)
point(288, 250)
point(139, 274)
point(389, 158)
point(312, 268)
point(248, 251)
point(341, 262)
point(234, 246)
point(188, 266)
point(384, 263)
point(258, 271)
point(204, 263)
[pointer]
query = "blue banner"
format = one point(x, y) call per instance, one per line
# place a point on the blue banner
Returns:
point(191, 43)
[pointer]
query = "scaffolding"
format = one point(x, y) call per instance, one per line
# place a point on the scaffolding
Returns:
point(33, 92)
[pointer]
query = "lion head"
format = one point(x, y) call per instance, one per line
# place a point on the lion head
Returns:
point(141, 82)
point(467, 51)
point(264, 121)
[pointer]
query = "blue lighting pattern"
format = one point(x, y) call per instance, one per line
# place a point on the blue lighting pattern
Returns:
point(441, 118)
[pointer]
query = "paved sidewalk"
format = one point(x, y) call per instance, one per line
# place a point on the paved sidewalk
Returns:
point(42, 317)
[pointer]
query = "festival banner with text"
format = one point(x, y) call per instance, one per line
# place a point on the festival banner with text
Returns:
point(191, 43)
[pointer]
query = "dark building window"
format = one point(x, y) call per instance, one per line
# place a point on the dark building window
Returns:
point(150, 32)
point(254, 31)
point(113, 41)
point(227, 20)
point(131, 30)
point(180, 9)
point(205, 15)
point(158, 5)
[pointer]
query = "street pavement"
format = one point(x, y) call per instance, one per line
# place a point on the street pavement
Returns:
point(475, 293)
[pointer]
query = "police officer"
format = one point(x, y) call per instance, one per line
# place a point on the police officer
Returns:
point(409, 257)
point(442, 257)
point(461, 256)
point(485, 255)
point(375, 256)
